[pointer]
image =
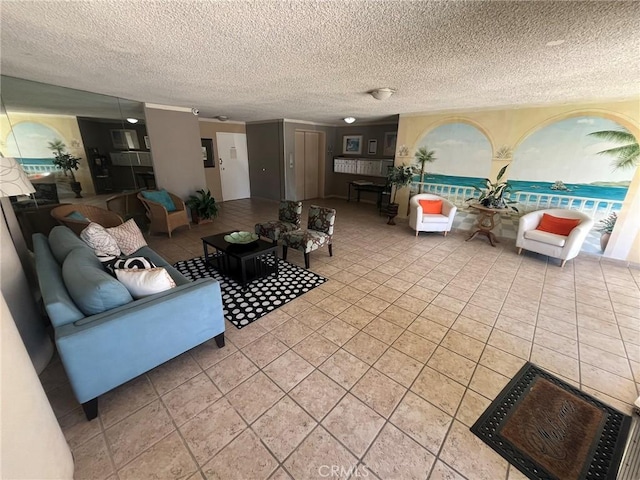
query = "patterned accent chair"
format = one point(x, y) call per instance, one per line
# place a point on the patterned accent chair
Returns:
point(289, 216)
point(319, 232)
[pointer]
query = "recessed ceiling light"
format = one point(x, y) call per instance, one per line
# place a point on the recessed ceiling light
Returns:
point(554, 43)
point(349, 119)
point(132, 120)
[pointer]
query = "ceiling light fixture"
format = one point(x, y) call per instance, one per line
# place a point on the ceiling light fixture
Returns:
point(132, 120)
point(554, 43)
point(349, 119)
point(222, 118)
point(382, 93)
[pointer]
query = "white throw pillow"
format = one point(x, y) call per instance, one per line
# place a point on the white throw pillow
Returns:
point(128, 236)
point(145, 282)
point(97, 237)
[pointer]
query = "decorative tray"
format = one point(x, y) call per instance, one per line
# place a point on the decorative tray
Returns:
point(241, 237)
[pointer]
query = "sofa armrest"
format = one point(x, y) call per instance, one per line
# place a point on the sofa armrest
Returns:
point(106, 350)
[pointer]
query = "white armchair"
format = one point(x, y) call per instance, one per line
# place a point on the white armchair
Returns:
point(431, 222)
point(550, 244)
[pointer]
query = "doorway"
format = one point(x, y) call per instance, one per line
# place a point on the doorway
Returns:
point(234, 165)
point(309, 164)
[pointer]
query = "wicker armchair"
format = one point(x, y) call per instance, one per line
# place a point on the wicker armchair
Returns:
point(163, 220)
point(128, 206)
point(95, 214)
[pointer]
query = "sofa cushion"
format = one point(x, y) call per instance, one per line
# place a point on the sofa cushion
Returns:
point(161, 262)
point(92, 289)
point(102, 242)
point(160, 196)
point(62, 240)
point(545, 237)
point(434, 218)
point(128, 236)
point(431, 206)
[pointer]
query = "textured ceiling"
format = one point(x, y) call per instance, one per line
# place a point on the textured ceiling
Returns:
point(315, 61)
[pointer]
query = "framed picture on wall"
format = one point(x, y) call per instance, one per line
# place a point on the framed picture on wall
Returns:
point(373, 147)
point(207, 152)
point(389, 147)
point(352, 144)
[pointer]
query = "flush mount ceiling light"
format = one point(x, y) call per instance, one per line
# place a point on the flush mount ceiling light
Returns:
point(222, 118)
point(554, 43)
point(382, 93)
point(349, 119)
point(132, 120)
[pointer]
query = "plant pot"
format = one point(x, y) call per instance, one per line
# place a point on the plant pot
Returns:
point(392, 212)
point(76, 188)
point(604, 240)
point(198, 220)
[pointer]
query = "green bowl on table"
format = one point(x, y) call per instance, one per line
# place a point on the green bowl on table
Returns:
point(241, 238)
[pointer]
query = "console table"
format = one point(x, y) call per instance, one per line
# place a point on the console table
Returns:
point(378, 188)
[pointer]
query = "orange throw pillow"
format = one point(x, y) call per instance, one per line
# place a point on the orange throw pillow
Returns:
point(557, 225)
point(431, 206)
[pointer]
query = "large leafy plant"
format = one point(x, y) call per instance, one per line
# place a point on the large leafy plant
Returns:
point(606, 225)
point(492, 193)
point(64, 160)
point(203, 204)
point(398, 177)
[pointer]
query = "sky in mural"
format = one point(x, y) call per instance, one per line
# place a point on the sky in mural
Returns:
point(32, 139)
point(460, 150)
point(565, 151)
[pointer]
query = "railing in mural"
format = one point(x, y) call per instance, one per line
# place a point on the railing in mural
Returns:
point(597, 208)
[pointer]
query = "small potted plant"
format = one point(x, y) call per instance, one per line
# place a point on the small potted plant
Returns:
point(492, 194)
point(424, 156)
point(605, 228)
point(398, 177)
point(203, 207)
point(67, 163)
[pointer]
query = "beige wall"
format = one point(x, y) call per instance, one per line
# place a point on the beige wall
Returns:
point(32, 446)
point(174, 135)
point(509, 127)
point(67, 127)
point(208, 129)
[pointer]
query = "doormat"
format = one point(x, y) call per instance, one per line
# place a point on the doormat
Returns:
point(548, 429)
point(241, 307)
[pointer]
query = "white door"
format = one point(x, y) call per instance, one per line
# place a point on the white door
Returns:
point(234, 165)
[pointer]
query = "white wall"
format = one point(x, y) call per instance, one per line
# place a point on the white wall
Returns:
point(32, 445)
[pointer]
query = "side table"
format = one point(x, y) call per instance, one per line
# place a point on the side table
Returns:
point(486, 223)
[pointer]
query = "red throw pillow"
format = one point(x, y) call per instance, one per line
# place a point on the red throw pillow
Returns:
point(557, 225)
point(431, 206)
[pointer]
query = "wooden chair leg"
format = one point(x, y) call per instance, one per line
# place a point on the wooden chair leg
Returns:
point(416, 233)
point(330, 250)
point(519, 251)
point(284, 252)
point(219, 340)
point(306, 260)
point(562, 263)
point(445, 233)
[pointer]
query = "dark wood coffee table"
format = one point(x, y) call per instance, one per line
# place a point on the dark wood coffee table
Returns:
point(241, 262)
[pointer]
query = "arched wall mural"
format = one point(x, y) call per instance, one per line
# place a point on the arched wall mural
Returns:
point(570, 158)
point(463, 154)
point(28, 142)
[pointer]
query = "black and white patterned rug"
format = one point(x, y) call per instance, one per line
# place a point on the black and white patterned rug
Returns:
point(261, 296)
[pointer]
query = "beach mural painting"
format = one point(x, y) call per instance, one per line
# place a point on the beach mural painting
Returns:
point(571, 159)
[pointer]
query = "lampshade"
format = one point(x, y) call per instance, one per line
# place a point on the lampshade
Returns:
point(13, 180)
point(382, 93)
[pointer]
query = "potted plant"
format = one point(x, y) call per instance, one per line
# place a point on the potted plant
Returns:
point(398, 177)
point(605, 228)
point(67, 163)
point(492, 194)
point(424, 156)
point(203, 207)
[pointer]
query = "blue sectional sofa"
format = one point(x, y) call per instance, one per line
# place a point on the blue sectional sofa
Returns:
point(105, 337)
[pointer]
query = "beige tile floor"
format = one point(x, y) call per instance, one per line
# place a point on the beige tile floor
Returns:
point(378, 372)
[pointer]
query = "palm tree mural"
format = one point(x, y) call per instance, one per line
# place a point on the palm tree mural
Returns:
point(424, 156)
point(626, 155)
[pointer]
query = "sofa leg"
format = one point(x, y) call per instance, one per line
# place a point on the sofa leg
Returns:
point(562, 263)
point(416, 233)
point(91, 408)
point(330, 250)
point(445, 233)
point(284, 252)
point(219, 340)
point(306, 260)
point(519, 251)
